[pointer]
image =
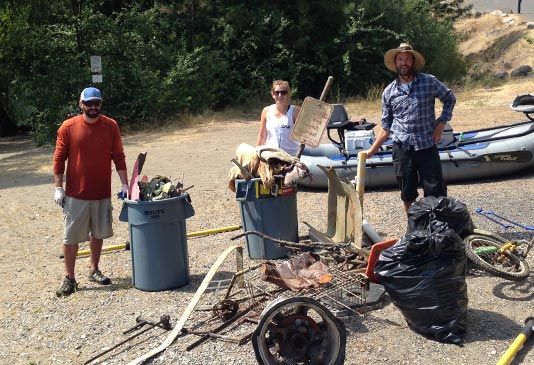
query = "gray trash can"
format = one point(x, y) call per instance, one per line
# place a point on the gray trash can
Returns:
point(158, 242)
point(270, 211)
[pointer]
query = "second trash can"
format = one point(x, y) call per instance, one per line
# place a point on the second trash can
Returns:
point(158, 242)
point(272, 212)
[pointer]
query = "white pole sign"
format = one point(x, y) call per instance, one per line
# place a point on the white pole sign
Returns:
point(96, 64)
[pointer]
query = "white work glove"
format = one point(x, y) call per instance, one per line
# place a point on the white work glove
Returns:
point(124, 192)
point(59, 196)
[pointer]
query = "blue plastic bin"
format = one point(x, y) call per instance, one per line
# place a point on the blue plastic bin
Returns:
point(272, 212)
point(158, 242)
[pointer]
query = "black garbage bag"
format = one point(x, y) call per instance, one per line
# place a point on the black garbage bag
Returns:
point(424, 274)
point(437, 211)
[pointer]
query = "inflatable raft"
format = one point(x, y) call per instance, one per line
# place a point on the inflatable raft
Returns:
point(476, 154)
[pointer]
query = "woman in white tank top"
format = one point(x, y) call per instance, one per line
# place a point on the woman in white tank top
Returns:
point(277, 120)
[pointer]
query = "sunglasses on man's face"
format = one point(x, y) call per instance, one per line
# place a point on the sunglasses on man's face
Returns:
point(91, 103)
point(280, 92)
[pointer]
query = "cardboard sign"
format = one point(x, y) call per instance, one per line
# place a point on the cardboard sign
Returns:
point(311, 122)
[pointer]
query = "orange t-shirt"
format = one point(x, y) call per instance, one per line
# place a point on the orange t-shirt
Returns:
point(88, 149)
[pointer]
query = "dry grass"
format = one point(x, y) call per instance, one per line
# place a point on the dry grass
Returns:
point(494, 43)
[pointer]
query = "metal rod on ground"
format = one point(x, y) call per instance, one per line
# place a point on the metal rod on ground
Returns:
point(190, 307)
point(528, 228)
point(214, 230)
point(126, 245)
point(163, 320)
point(505, 226)
point(120, 246)
point(220, 327)
point(526, 332)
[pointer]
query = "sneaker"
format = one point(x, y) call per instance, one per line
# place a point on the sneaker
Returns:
point(68, 287)
point(97, 277)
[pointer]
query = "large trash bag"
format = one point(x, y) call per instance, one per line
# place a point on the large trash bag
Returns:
point(440, 210)
point(424, 274)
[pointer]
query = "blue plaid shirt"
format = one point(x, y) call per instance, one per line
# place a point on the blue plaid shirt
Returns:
point(409, 114)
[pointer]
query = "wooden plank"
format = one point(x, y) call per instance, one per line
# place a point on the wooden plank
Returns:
point(312, 121)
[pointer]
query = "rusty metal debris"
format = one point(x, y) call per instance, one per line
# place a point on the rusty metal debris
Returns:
point(219, 328)
point(225, 309)
point(236, 304)
point(163, 323)
point(327, 246)
point(340, 294)
point(343, 255)
point(299, 330)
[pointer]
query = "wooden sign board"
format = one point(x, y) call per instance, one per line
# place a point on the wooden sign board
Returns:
point(312, 121)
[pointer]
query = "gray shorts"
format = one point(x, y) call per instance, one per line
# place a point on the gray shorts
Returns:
point(87, 217)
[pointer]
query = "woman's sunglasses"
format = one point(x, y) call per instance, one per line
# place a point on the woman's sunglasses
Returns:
point(280, 92)
point(91, 103)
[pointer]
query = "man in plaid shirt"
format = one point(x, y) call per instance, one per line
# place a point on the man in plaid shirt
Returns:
point(408, 115)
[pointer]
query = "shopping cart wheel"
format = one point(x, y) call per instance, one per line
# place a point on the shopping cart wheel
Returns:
point(299, 330)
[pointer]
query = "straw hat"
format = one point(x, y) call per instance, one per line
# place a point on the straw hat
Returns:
point(389, 57)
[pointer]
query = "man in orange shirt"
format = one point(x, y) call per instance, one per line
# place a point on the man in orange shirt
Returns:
point(88, 143)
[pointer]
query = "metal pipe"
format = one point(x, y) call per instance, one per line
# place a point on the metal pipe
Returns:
point(126, 245)
point(528, 228)
point(158, 324)
point(371, 233)
point(220, 327)
point(505, 226)
point(526, 332)
point(214, 230)
point(360, 175)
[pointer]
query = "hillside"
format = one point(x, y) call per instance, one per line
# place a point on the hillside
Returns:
point(496, 42)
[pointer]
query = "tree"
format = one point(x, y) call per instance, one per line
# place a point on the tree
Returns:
point(168, 57)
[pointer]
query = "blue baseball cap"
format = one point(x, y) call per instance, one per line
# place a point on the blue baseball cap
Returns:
point(90, 93)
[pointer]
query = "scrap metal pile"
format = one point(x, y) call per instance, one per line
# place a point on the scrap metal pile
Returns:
point(289, 309)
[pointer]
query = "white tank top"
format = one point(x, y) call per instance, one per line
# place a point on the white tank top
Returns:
point(279, 130)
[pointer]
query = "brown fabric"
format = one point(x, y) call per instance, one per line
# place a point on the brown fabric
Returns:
point(279, 162)
point(264, 162)
point(246, 155)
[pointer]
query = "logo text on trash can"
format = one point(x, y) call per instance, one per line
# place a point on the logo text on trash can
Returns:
point(154, 212)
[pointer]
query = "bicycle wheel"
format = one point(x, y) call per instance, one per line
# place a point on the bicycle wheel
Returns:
point(482, 250)
point(299, 330)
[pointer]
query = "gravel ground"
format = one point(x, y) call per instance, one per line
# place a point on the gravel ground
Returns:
point(38, 328)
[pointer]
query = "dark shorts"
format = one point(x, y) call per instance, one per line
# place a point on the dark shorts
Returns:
point(412, 167)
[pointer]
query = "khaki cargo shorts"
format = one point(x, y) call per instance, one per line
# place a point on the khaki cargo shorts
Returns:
point(87, 217)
